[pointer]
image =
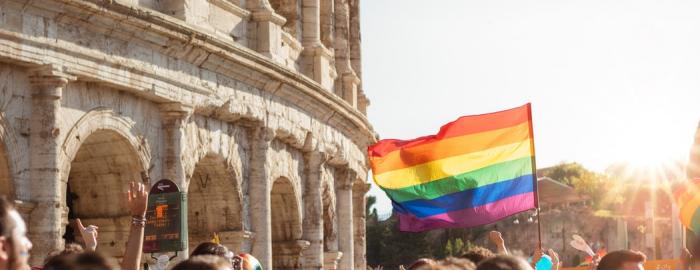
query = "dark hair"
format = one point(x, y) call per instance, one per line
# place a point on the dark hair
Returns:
point(503, 262)
point(80, 261)
point(614, 260)
point(209, 248)
point(477, 254)
point(204, 262)
point(71, 248)
point(6, 223)
point(452, 263)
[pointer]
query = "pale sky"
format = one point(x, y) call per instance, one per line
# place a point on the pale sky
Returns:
point(609, 81)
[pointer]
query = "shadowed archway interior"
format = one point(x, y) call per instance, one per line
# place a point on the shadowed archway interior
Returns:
point(214, 204)
point(96, 191)
point(286, 225)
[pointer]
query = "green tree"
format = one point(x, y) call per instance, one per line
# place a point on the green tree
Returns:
point(584, 181)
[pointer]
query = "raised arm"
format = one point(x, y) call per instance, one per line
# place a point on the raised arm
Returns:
point(137, 200)
point(555, 259)
point(497, 239)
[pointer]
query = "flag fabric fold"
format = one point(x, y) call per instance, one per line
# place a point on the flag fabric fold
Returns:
point(474, 171)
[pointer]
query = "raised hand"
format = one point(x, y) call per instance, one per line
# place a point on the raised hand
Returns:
point(686, 257)
point(89, 234)
point(137, 199)
point(536, 257)
point(497, 239)
point(555, 259)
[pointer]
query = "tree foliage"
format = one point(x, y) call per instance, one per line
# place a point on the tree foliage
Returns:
point(584, 181)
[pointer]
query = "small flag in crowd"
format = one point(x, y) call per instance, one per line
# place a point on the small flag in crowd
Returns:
point(475, 171)
point(688, 198)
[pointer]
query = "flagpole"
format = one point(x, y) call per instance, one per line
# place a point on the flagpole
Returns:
point(534, 177)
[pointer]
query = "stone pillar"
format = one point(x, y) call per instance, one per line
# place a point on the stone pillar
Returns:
point(350, 84)
point(48, 222)
point(347, 84)
point(268, 30)
point(312, 257)
point(359, 217)
point(311, 22)
point(259, 193)
point(345, 224)
point(194, 12)
point(174, 116)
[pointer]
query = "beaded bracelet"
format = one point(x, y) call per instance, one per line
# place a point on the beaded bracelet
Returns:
point(138, 220)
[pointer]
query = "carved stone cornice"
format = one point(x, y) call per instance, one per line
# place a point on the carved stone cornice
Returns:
point(175, 113)
point(48, 81)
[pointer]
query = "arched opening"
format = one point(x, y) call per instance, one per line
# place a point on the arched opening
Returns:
point(214, 204)
point(97, 182)
point(290, 10)
point(286, 225)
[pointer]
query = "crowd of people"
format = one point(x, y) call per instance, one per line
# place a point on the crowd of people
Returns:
point(479, 258)
point(15, 247)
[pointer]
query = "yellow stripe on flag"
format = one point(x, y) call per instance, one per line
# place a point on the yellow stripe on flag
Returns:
point(442, 168)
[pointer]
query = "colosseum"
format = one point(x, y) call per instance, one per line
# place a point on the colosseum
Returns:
point(255, 108)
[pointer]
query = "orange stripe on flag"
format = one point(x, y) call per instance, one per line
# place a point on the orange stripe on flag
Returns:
point(422, 153)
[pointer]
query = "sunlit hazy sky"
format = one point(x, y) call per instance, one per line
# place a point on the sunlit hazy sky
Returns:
point(609, 81)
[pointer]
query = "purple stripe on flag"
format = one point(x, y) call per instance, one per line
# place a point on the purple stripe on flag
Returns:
point(470, 217)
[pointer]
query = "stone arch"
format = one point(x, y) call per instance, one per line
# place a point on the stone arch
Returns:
point(101, 156)
point(286, 225)
point(103, 119)
point(290, 10)
point(214, 203)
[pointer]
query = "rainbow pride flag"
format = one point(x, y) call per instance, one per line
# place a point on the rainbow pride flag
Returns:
point(688, 198)
point(475, 171)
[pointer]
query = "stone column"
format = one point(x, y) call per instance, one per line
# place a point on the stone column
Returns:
point(311, 22)
point(174, 116)
point(346, 85)
point(312, 257)
point(259, 193)
point(194, 12)
point(267, 27)
point(47, 222)
point(345, 224)
point(359, 217)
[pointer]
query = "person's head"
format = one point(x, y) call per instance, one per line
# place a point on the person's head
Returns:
point(71, 248)
point(504, 262)
point(452, 263)
point(622, 260)
point(204, 262)
point(209, 248)
point(80, 261)
point(14, 244)
point(422, 264)
point(477, 254)
point(245, 261)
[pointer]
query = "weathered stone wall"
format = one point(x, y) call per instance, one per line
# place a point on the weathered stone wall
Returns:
point(237, 102)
